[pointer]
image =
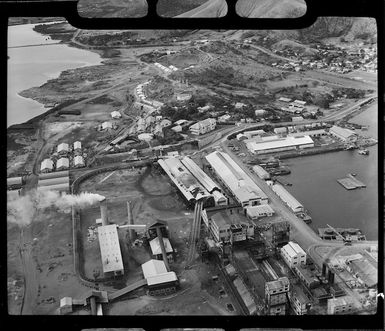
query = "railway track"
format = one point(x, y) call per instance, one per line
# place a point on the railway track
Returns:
point(194, 235)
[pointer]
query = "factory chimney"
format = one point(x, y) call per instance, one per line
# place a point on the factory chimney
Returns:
point(103, 211)
point(132, 232)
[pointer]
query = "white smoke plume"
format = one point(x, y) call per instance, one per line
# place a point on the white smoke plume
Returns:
point(20, 209)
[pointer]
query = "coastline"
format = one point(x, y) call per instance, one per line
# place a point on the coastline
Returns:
point(56, 76)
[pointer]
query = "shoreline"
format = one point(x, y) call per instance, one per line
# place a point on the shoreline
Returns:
point(56, 76)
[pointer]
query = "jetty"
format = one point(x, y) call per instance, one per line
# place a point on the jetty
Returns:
point(351, 182)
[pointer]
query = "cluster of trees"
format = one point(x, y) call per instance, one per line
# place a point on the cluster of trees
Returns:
point(170, 137)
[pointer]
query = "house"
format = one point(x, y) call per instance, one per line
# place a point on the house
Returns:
point(260, 112)
point(177, 128)
point(204, 109)
point(63, 148)
point(158, 130)
point(203, 127)
point(180, 122)
point(46, 166)
point(77, 146)
point(283, 99)
point(62, 164)
point(280, 130)
point(106, 125)
point(224, 118)
point(78, 161)
point(116, 115)
point(239, 105)
point(165, 123)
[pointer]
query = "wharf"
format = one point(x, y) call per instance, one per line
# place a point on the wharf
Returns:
point(351, 233)
point(350, 182)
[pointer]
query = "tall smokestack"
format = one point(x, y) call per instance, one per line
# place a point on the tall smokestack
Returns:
point(130, 217)
point(103, 211)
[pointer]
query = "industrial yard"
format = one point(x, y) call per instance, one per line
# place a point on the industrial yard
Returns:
point(154, 184)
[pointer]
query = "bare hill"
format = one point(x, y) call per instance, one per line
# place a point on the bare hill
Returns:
point(112, 8)
point(171, 8)
point(270, 8)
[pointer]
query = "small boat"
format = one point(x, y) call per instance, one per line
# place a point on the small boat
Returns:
point(363, 151)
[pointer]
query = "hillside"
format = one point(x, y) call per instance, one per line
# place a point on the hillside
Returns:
point(171, 8)
point(112, 8)
point(270, 8)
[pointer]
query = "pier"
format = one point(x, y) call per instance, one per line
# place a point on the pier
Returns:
point(350, 182)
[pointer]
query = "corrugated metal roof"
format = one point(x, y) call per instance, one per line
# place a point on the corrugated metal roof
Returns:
point(78, 160)
point(155, 246)
point(199, 174)
point(258, 210)
point(292, 202)
point(153, 267)
point(110, 248)
point(256, 146)
point(162, 278)
point(63, 147)
point(46, 164)
point(63, 162)
point(342, 132)
point(77, 145)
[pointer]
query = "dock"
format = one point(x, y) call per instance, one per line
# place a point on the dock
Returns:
point(351, 182)
point(351, 233)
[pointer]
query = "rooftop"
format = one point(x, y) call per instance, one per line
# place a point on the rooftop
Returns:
point(255, 211)
point(153, 267)
point(345, 133)
point(155, 246)
point(110, 248)
point(279, 143)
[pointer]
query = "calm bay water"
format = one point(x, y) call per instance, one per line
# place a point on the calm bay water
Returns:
point(33, 66)
point(315, 186)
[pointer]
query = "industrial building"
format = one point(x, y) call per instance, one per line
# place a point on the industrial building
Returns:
point(307, 276)
point(310, 133)
point(276, 293)
point(203, 127)
point(343, 305)
point(254, 213)
point(159, 280)
point(261, 173)
point(46, 166)
point(254, 133)
point(287, 198)
point(156, 250)
point(14, 183)
point(364, 271)
point(300, 303)
point(343, 134)
point(281, 130)
point(62, 164)
point(187, 184)
point(246, 296)
point(246, 192)
point(293, 254)
point(110, 250)
point(265, 146)
point(56, 181)
point(106, 125)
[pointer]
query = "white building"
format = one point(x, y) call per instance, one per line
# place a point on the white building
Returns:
point(77, 146)
point(165, 123)
point(265, 146)
point(280, 130)
point(78, 161)
point(254, 133)
point(297, 118)
point(110, 250)
point(287, 198)
point(283, 99)
point(255, 212)
point(260, 112)
point(343, 134)
point(293, 254)
point(62, 164)
point(239, 105)
point(203, 127)
point(116, 115)
point(262, 173)
point(106, 125)
point(310, 133)
point(177, 128)
point(245, 190)
point(46, 165)
point(224, 118)
point(180, 122)
point(63, 148)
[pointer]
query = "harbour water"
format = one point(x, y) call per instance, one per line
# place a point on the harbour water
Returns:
point(315, 186)
point(33, 66)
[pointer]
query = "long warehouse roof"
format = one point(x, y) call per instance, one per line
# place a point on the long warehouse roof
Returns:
point(292, 202)
point(233, 175)
point(110, 248)
point(199, 174)
point(279, 143)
